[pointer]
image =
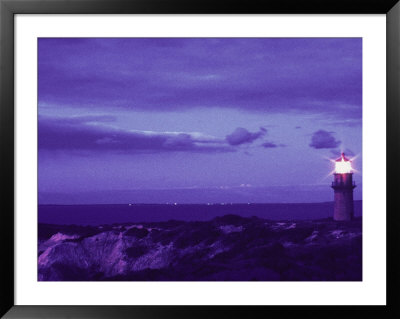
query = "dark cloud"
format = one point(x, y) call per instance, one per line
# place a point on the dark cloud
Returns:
point(324, 139)
point(269, 145)
point(89, 134)
point(314, 75)
point(97, 133)
point(243, 136)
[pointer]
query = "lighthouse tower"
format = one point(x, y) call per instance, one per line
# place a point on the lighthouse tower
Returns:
point(343, 186)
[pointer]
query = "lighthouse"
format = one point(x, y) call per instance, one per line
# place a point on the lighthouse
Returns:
point(343, 186)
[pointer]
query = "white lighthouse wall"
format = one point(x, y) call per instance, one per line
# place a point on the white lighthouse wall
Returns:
point(344, 206)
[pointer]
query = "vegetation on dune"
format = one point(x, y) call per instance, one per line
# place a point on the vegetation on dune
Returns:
point(230, 248)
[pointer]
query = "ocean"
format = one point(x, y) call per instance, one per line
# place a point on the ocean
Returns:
point(124, 213)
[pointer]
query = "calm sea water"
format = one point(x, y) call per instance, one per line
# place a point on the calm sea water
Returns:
point(109, 214)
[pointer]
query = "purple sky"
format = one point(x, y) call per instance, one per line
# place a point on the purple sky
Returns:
point(222, 119)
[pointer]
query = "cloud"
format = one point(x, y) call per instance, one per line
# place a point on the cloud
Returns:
point(90, 133)
point(323, 139)
point(88, 119)
point(347, 122)
point(99, 133)
point(242, 136)
point(269, 145)
point(310, 75)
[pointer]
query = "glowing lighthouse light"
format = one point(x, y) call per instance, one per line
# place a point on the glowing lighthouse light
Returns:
point(343, 165)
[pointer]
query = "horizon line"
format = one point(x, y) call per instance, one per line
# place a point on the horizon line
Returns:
point(206, 204)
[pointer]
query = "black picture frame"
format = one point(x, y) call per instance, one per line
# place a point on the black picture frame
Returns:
point(9, 8)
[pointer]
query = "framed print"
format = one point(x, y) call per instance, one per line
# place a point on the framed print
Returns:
point(167, 159)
